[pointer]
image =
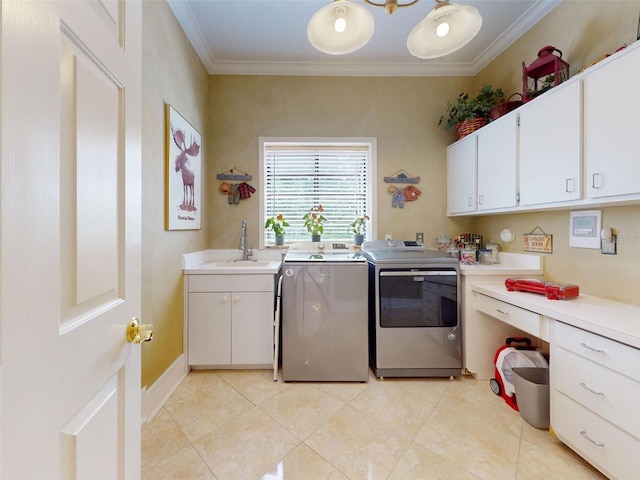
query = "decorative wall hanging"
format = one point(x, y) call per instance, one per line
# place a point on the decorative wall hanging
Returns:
point(401, 177)
point(538, 242)
point(234, 174)
point(183, 164)
point(235, 191)
point(402, 194)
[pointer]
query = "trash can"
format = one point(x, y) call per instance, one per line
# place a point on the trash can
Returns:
point(532, 394)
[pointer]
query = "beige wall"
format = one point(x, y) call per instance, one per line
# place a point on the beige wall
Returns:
point(401, 112)
point(171, 73)
point(583, 31)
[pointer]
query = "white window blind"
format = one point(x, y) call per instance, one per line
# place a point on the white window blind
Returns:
point(300, 176)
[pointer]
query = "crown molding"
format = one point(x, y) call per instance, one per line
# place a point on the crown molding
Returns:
point(429, 68)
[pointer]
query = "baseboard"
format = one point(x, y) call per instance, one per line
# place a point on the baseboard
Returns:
point(154, 397)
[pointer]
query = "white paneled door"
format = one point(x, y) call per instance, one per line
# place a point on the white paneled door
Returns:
point(70, 239)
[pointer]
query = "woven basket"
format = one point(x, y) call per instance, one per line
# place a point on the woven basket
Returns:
point(504, 108)
point(466, 127)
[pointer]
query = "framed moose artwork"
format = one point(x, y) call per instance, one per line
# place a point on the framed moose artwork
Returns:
point(184, 172)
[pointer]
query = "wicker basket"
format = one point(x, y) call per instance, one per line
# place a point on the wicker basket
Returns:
point(466, 127)
point(504, 108)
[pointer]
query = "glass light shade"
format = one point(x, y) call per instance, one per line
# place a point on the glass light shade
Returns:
point(359, 29)
point(464, 24)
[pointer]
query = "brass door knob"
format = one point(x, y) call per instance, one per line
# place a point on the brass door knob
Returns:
point(139, 333)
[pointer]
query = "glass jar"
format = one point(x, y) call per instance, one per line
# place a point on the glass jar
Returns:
point(443, 242)
point(468, 256)
point(494, 248)
point(485, 257)
point(453, 251)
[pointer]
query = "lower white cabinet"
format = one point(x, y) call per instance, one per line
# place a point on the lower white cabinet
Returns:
point(595, 387)
point(229, 320)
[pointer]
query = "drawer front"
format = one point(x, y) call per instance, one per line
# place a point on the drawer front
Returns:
point(607, 393)
point(608, 448)
point(520, 318)
point(231, 283)
point(611, 354)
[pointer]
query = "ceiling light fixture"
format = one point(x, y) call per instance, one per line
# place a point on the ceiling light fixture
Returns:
point(340, 27)
point(344, 26)
point(447, 28)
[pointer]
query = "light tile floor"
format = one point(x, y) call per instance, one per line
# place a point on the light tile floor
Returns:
point(235, 425)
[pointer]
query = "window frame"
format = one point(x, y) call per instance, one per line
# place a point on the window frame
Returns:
point(369, 142)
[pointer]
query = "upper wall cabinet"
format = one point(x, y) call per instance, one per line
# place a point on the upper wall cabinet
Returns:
point(577, 145)
point(612, 137)
point(550, 147)
point(461, 176)
point(497, 162)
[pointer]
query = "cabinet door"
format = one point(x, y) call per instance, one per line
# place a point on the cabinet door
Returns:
point(209, 329)
point(252, 328)
point(461, 175)
point(550, 147)
point(612, 141)
point(497, 160)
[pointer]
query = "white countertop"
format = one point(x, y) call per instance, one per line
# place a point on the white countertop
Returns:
point(510, 264)
point(614, 320)
point(212, 262)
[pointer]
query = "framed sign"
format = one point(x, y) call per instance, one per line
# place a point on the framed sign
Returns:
point(585, 229)
point(538, 242)
point(183, 173)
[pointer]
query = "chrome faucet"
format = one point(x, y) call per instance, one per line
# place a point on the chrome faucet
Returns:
point(246, 252)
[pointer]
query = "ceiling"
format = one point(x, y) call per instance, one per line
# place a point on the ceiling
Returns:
point(269, 37)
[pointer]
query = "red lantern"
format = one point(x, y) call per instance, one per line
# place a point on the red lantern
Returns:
point(549, 69)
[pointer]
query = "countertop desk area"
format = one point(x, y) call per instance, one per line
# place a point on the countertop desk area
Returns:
point(614, 320)
point(594, 369)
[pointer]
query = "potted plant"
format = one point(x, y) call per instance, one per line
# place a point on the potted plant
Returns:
point(357, 228)
point(277, 224)
point(467, 115)
point(313, 222)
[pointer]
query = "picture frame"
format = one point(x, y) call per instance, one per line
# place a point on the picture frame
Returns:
point(584, 228)
point(183, 149)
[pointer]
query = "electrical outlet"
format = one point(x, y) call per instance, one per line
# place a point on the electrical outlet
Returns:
point(387, 236)
point(608, 245)
point(420, 237)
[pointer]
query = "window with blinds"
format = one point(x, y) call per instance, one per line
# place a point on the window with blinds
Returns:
point(299, 175)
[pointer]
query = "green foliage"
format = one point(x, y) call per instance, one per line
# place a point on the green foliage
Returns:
point(313, 220)
point(468, 109)
point(357, 226)
point(276, 224)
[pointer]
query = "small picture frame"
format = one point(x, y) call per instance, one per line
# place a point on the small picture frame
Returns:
point(584, 229)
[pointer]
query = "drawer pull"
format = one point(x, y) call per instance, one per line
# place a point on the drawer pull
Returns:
point(584, 434)
point(500, 311)
point(582, 344)
point(584, 385)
